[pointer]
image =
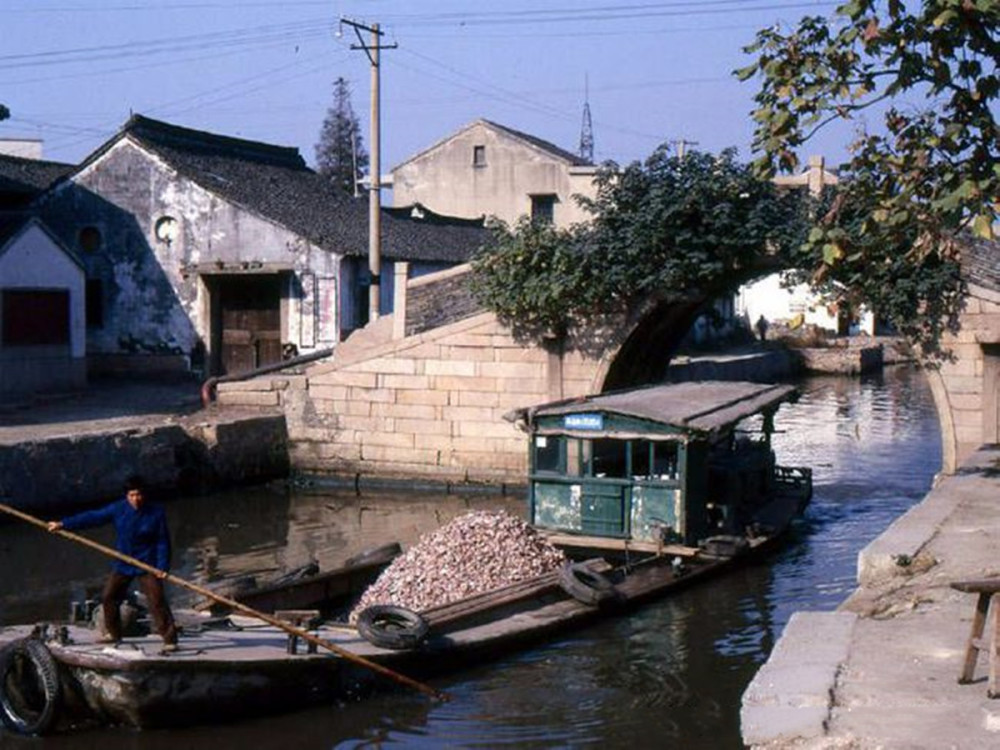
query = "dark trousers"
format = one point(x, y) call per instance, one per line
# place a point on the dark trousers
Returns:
point(114, 594)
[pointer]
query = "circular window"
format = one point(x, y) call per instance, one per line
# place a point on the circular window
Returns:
point(89, 239)
point(166, 229)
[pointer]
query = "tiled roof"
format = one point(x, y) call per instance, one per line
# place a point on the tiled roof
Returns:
point(275, 183)
point(28, 177)
point(10, 225)
point(981, 263)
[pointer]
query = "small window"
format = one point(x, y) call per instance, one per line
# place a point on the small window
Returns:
point(543, 208)
point(665, 460)
point(35, 317)
point(166, 229)
point(609, 458)
point(95, 303)
point(89, 239)
point(548, 453)
point(479, 156)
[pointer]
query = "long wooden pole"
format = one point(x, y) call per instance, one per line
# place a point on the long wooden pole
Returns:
point(239, 607)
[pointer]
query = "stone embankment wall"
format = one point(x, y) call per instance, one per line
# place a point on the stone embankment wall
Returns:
point(59, 474)
point(841, 360)
point(760, 367)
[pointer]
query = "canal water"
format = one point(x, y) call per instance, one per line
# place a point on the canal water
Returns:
point(670, 675)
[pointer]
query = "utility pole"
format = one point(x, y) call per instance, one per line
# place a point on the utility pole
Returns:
point(373, 49)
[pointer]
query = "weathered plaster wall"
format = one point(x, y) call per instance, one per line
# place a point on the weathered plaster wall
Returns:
point(966, 387)
point(155, 290)
point(445, 180)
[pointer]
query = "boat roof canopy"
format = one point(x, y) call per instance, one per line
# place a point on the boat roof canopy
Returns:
point(704, 406)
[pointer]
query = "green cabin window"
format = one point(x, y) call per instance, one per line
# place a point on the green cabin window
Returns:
point(654, 460)
point(548, 453)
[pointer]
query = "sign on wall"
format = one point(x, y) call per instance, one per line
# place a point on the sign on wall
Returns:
point(326, 309)
point(307, 324)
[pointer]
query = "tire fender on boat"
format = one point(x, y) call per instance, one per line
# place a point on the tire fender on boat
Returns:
point(30, 691)
point(389, 626)
point(587, 586)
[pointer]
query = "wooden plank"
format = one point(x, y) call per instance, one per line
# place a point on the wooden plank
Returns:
point(491, 600)
point(474, 605)
point(621, 545)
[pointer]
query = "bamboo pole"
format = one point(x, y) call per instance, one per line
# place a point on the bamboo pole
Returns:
point(269, 619)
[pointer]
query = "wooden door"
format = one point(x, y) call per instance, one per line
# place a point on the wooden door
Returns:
point(250, 322)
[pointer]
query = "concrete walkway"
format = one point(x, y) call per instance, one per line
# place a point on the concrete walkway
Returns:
point(882, 671)
point(104, 405)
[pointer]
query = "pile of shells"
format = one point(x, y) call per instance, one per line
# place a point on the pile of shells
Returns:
point(472, 554)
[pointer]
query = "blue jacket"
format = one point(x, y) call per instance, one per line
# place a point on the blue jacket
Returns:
point(142, 534)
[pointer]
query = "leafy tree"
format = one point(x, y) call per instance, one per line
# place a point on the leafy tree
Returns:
point(340, 154)
point(929, 71)
point(663, 227)
point(4, 112)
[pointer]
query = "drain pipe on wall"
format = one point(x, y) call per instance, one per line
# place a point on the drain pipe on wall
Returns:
point(209, 386)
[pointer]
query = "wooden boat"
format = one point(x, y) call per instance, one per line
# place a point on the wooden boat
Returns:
point(648, 491)
point(327, 591)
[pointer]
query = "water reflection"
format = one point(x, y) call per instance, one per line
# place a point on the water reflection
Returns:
point(673, 672)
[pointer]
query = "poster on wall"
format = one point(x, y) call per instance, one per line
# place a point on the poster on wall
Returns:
point(307, 320)
point(326, 309)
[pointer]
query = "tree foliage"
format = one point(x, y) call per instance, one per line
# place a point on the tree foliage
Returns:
point(666, 226)
point(340, 153)
point(931, 168)
point(4, 112)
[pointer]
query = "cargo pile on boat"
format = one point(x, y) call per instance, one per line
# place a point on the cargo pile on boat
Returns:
point(472, 554)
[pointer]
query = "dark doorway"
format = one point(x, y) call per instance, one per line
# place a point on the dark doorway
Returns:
point(991, 393)
point(246, 322)
point(34, 317)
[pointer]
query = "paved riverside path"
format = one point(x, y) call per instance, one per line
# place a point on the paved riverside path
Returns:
point(103, 406)
point(881, 671)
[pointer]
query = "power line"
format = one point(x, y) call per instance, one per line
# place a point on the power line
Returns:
point(160, 8)
point(171, 61)
point(249, 35)
point(603, 13)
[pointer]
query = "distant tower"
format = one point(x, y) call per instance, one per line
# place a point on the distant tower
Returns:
point(587, 131)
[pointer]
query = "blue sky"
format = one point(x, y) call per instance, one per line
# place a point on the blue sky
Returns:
point(71, 71)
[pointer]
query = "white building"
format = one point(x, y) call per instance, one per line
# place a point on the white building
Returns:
point(487, 169)
point(42, 310)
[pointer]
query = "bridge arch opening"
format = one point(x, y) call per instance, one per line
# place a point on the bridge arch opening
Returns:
point(646, 351)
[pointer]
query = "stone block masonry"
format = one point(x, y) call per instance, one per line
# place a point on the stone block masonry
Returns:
point(429, 405)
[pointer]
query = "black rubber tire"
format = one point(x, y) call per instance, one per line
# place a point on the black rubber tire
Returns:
point(388, 626)
point(587, 586)
point(376, 554)
point(32, 706)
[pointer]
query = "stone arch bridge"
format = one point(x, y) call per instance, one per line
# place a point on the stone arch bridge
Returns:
point(422, 393)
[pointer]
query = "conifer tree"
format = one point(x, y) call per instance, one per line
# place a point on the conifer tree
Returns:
point(340, 154)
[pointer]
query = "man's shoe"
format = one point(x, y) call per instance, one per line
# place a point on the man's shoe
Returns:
point(107, 640)
point(169, 648)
